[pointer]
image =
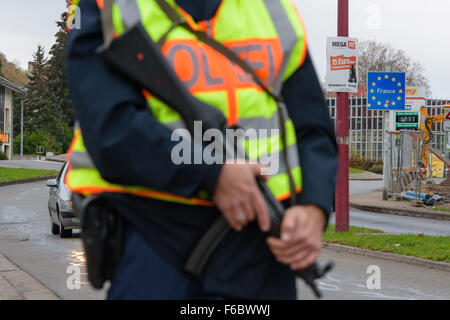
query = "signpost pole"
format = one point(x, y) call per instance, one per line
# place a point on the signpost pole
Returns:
point(21, 128)
point(386, 155)
point(342, 130)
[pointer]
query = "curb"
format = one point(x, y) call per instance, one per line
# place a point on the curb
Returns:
point(443, 266)
point(9, 183)
point(55, 160)
point(16, 284)
point(401, 212)
point(365, 177)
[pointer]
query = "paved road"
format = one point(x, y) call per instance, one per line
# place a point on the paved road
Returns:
point(348, 281)
point(397, 224)
point(31, 164)
point(391, 223)
point(360, 187)
point(26, 240)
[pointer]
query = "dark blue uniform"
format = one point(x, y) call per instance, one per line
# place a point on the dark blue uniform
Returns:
point(129, 147)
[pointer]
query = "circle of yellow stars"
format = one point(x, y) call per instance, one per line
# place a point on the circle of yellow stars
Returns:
point(387, 102)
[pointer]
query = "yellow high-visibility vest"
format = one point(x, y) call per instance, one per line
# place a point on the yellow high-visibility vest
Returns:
point(268, 34)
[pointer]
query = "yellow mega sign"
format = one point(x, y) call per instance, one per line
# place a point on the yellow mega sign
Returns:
point(412, 92)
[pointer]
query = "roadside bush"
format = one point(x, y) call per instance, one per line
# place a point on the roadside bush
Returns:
point(366, 165)
point(3, 156)
point(363, 164)
point(31, 140)
point(377, 169)
point(57, 140)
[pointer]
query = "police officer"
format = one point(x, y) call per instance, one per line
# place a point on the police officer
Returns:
point(125, 134)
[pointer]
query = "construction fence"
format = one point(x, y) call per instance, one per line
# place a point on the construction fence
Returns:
point(406, 172)
point(367, 126)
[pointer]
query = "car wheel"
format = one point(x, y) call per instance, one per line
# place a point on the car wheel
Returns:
point(63, 233)
point(53, 226)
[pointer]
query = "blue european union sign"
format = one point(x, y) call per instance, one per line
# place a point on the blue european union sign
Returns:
point(386, 90)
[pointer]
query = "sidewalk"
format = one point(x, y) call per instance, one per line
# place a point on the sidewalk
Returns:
point(60, 158)
point(366, 176)
point(16, 284)
point(373, 202)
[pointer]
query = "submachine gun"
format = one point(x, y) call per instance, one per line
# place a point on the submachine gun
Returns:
point(138, 58)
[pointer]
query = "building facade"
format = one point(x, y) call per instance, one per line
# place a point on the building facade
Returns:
point(366, 133)
point(6, 115)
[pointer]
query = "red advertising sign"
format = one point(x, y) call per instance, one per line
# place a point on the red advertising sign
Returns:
point(342, 62)
point(4, 138)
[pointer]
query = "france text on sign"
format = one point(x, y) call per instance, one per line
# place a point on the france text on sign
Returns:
point(386, 90)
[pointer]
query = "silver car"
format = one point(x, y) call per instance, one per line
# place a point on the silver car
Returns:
point(62, 217)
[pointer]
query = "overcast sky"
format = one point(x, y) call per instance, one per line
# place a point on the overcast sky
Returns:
point(419, 27)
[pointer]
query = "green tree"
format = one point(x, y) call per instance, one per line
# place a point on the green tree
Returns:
point(37, 138)
point(16, 113)
point(57, 73)
point(377, 56)
point(1, 66)
point(39, 111)
point(12, 71)
point(48, 109)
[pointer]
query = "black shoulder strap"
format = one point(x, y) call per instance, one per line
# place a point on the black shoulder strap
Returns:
point(232, 56)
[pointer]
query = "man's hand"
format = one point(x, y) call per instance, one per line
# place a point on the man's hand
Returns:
point(301, 237)
point(238, 197)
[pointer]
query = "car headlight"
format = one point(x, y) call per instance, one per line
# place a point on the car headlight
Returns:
point(68, 204)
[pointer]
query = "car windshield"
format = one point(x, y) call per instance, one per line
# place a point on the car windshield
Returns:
point(61, 177)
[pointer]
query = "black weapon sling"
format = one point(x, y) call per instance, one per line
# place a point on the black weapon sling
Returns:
point(214, 235)
point(162, 81)
point(179, 20)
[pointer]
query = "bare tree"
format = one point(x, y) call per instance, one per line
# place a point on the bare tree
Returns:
point(377, 56)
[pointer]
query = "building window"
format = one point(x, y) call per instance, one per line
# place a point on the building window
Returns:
point(2, 109)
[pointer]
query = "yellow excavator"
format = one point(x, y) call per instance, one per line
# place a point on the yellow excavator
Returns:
point(425, 127)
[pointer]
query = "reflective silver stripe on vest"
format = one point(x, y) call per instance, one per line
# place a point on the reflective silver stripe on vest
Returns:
point(81, 160)
point(293, 159)
point(256, 123)
point(77, 125)
point(130, 12)
point(286, 34)
point(278, 156)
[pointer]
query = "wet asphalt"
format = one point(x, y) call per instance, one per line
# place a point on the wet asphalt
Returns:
point(25, 238)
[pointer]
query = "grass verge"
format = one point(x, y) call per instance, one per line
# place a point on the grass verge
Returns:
point(445, 210)
point(13, 174)
point(354, 170)
point(417, 245)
